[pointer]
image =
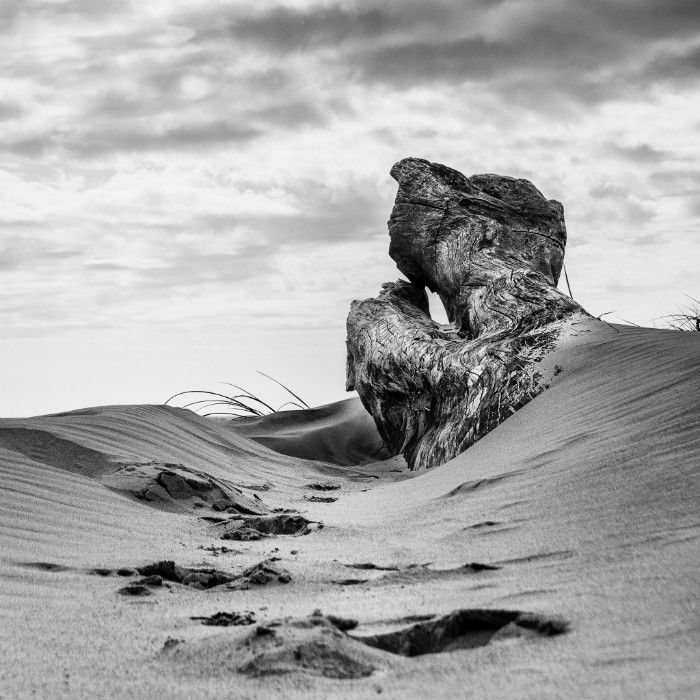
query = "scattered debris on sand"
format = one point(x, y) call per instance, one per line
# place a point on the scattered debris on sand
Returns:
point(324, 486)
point(342, 623)
point(43, 566)
point(261, 574)
point(169, 644)
point(246, 528)
point(463, 629)
point(410, 573)
point(369, 566)
point(217, 551)
point(485, 523)
point(319, 644)
point(176, 487)
point(424, 572)
point(242, 534)
point(135, 589)
point(227, 619)
point(476, 566)
point(313, 645)
point(196, 578)
point(154, 575)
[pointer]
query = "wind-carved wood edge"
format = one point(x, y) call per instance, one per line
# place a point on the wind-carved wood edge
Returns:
point(492, 248)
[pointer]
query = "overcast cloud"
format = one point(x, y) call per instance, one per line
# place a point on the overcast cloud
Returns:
point(192, 165)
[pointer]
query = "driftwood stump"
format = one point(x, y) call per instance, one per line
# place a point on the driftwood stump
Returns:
point(492, 248)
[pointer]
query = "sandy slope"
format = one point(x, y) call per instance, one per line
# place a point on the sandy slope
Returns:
point(340, 433)
point(587, 500)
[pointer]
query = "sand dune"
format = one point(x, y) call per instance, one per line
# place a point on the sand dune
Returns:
point(340, 433)
point(557, 557)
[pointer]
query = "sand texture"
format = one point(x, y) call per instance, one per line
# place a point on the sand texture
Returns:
point(148, 552)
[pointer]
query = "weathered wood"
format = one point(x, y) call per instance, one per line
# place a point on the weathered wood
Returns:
point(492, 248)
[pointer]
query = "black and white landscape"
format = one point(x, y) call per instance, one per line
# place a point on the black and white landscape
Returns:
point(505, 505)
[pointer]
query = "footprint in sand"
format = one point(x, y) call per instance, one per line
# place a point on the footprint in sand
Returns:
point(154, 575)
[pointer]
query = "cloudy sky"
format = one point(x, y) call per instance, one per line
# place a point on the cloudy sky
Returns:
point(190, 191)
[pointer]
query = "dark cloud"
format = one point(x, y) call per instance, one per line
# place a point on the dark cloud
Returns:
point(18, 226)
point(82, 8)
point(107, 266)
point(678, 66)
point(322, 227)
point(116, 104)
point(639, 154)
point(648, 19)
point(588, 52)
point(637, 213)
point(406, 65)
point(120, 111)
point(31, 254)
point(536, 54)
point(94, 143)
point(586, 68)
point(324, 217)
point(290, 115)
point(29, 147)
point(676, 182)
point(9, 110)
point(192, 269)
point(283, 30)
point(607, 191)
point(694, 205)
point(158, 88)
point(12, 11)
point(542, 55)
point(240, 128)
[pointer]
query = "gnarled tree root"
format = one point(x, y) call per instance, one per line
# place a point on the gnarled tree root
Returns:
point(492, 247)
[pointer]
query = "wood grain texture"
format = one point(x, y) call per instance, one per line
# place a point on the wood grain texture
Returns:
point(492, 248)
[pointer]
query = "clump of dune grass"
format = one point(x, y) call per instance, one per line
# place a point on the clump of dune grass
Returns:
point(687, 318)
point(236, 404)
